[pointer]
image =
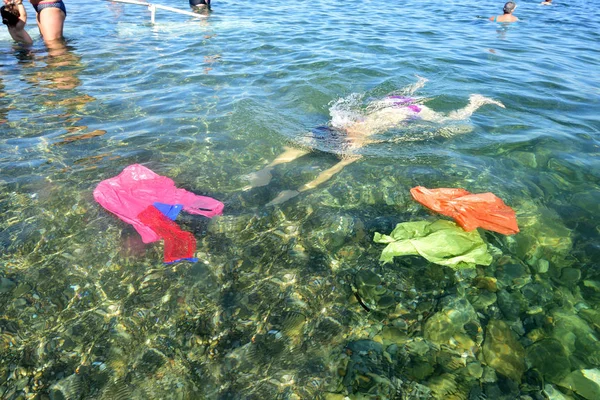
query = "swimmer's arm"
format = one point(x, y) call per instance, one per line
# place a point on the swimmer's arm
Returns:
point(18, 32)
point(22, 14)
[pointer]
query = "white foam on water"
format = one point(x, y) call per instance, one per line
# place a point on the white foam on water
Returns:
point(346, 111)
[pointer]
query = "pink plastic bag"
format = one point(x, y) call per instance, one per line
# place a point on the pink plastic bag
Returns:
point(137, 187)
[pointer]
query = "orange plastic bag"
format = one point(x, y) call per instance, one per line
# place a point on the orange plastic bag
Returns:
point(470, 211)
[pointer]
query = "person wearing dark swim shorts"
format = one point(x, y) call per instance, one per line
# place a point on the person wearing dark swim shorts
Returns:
point(51, 15)
point(380, 116)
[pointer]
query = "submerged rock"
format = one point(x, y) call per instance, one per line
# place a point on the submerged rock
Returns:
point(577, 336)
point(550, 358)
point(552, 393)
point(368, 369)
point(542, 236)
point(584, 382)
point(502, 351)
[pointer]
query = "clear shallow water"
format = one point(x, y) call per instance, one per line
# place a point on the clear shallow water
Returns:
point(88, 311)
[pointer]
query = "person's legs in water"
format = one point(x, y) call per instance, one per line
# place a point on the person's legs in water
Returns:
point(322, 177)
point(51, 20)
point(475, 101)
point(263, 177)
point(412, 89)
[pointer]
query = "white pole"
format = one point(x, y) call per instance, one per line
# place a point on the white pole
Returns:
point(153, 7)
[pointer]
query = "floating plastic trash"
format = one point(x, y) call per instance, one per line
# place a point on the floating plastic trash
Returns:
point(179, 245)
point(440, 242)
point(138, 195)
point(470, 211)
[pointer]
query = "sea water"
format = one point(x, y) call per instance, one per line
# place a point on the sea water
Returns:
point(290, 301)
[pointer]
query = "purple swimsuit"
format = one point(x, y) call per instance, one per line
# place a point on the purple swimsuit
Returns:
point(405, 102)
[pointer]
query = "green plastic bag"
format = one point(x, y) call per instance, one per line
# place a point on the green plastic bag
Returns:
point(440, 242)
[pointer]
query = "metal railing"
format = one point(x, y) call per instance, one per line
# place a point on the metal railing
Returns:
point(154, 7)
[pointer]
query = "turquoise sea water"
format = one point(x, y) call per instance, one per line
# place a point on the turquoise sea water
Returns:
point(272, 309)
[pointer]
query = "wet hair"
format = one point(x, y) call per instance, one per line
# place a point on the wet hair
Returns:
point(509, 7)
point(10, 15)
point(194, 3)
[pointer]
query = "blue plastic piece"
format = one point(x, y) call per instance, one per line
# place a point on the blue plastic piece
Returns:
point(170, 211)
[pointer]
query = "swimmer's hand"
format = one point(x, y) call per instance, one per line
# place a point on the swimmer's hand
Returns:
point(283, 197)
point(259, 178)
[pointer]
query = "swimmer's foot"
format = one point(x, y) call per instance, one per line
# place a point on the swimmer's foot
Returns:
point(479, 100)
point(283, 197)
point(258, 178)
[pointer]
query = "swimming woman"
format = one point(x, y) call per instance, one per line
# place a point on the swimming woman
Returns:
point(51, 15)
point(349, 136)
point(14, 17)
point(508, 9)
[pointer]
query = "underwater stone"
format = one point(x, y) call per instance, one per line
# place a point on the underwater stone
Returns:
point(71, 387)
point(420, 370)
point(489, 375)
point(594, 285)
point(368, 370)
point(6, 285)
point(538, 294)
point(542, 266)
point(591, 316)
point(392, 335)
point(334, 396)
point(543, 235)
point(577, 336)
point(439, 329)
point(550, 358)
point(483, 300)
point(486, 282)
point(511, 304)
point(502, 351)
point(584, 382)
point(451, 320)
point(366, 277)
point(526, 158)
point(588, 201)
point(553, 394)
point(475, 369)
point(151, 361)
point(570, 276)
point(513, 276)
point(386, 301)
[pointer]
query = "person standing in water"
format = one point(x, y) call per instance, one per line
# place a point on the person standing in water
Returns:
point(507, 16)
point(382, 115)
point(51, 15)
point(14, 17)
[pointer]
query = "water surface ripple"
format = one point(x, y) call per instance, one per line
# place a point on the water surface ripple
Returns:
point(290, 301)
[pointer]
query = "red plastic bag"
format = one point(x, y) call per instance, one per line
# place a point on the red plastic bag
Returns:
point(470, 211)
point(179, 244)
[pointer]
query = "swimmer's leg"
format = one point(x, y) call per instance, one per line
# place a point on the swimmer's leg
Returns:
point(411, 89)
point(322, 177)
point(475, 101)
point(263, 177)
